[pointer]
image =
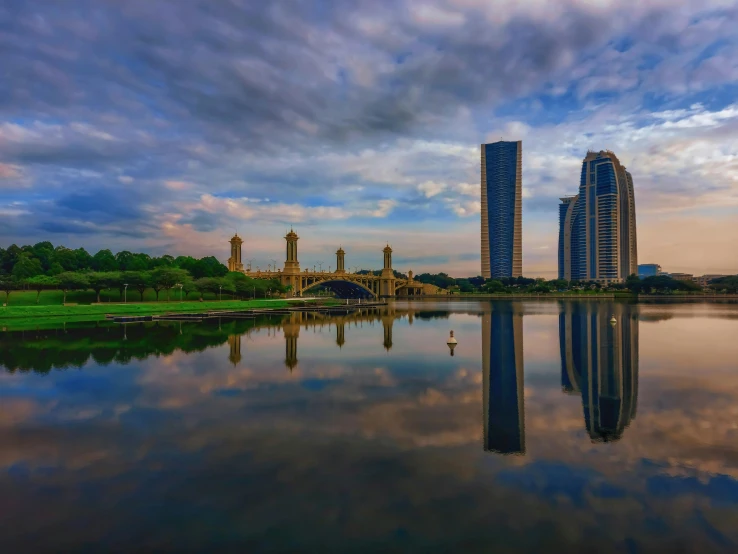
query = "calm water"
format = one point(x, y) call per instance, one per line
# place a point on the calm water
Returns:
point(548, 430)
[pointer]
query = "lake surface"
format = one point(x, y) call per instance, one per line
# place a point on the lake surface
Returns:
point(548, 430)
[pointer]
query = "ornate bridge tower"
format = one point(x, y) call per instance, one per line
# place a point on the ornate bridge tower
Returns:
point(339, 260)
point(234, 262)
point(291, 273)
point(387, 279)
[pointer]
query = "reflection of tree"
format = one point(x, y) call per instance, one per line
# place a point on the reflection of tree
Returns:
point(428, 314)
point(105, 343)
point(655, 316)
point(599, 360)
point(502, 359)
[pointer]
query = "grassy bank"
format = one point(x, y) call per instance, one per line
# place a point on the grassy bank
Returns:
point(26, 317)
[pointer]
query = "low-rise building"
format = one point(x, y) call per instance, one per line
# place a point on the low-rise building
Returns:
point(681, 276)
point(648, 270)
point(704, 280)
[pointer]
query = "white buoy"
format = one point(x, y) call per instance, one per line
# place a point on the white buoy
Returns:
point(613, 321)
point(451, 342)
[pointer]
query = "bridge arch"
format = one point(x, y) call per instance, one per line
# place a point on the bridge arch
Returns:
point(342, 283)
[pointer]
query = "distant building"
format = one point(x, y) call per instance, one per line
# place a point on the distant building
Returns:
point(704, 280)
point(502, 209)
point(681, 276)
point(565, 235)
point(648, 270)
point(597, 227)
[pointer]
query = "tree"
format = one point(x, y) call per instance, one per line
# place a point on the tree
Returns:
point(208, 267)
point(123, 259)
point(41, 282)
point(139, 280)
point(167, 277)
point(101, 280)
point(139, 262)
point(71, 281)
point(7, 284)
point(84, 260)
point(727, 284)
point(55, 269)
point(188, 286)
point(104, 261)
point(44, 251)
point(207, 284)
point(27, 267)
point(9, 258)
point(493, 285)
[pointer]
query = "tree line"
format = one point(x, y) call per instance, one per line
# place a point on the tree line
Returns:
point(634, 284)
point(44, 267)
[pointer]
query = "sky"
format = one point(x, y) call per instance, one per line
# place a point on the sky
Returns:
point(166, 126)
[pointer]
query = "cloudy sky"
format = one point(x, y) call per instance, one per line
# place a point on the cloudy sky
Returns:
point(164, 126)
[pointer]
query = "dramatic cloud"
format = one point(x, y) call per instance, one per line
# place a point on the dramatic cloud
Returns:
point(359, 117)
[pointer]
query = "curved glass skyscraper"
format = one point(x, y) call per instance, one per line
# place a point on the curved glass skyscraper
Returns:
point(502, 209)
point(597, 227)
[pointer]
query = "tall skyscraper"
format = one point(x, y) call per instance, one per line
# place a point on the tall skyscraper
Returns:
point(502, 378)
point(597, 227)
point(599, 360)
point(502, 209)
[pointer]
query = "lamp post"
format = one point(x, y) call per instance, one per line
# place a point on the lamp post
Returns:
point(254, 292)
point(125, 293)
point(320, 265)
point(249, 266)
point(274, 264)
point(180, 291)
point(220, 293)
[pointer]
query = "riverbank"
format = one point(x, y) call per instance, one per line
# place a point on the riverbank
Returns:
point(16, 317)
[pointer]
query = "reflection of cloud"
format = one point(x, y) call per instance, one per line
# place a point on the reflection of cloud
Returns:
point(316, 451)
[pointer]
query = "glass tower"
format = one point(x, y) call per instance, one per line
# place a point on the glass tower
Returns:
point(502, 209)
point(597, 227)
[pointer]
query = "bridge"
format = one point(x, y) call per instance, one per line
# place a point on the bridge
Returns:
point(340, 281)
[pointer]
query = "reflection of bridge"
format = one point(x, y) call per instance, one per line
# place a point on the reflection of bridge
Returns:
point(384, 285)
point(292, 324)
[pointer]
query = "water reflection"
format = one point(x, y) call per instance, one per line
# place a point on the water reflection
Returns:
point(599, 361)
point(205, 441)
point(502, 383)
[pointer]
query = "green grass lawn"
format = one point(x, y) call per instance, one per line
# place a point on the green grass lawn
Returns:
point(28, 317)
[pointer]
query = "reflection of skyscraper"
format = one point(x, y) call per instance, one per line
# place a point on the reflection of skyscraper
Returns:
point(600, 360)
point(234, 341)
point(502, 359)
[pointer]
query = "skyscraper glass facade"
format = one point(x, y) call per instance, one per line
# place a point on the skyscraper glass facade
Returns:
point(597, 241)
point(502, 197)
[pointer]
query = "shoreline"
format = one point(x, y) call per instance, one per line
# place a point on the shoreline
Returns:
point(30, 316)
